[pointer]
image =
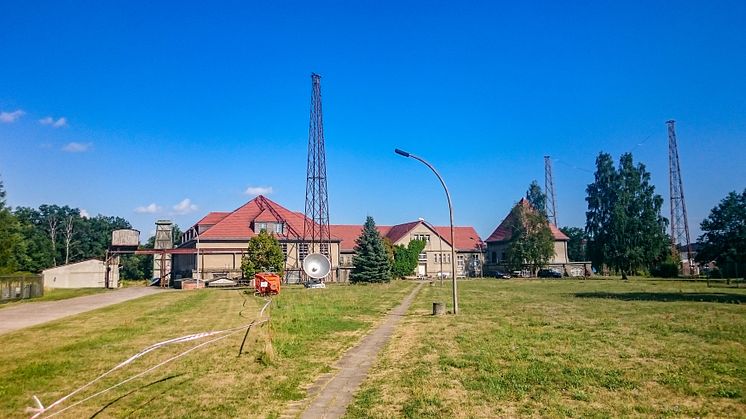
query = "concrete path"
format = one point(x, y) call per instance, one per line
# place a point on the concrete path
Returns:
point(332, 393)
point(30, 314)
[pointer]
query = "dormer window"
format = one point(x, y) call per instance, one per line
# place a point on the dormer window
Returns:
point(269, 227)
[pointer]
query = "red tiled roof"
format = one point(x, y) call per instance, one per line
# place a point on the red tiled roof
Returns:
point(266, 215)
point(400, 230)
point(504, 231)
point(212, 218)
point(237, 224)
point(348, 234)
point(466, 238)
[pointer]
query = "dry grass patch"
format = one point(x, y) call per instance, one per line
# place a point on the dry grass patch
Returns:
point(565, 348)
point(309, 330)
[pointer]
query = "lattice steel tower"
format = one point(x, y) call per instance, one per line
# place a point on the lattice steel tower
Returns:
point(316, 225)
point(549, 190)
point(679, 221)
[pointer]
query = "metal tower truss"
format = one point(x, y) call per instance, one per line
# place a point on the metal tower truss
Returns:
point(316, 224)
point(549, 190)
point(679, 220)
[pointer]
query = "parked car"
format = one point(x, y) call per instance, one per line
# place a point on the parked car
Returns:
point(502, 275)
point(549, 273)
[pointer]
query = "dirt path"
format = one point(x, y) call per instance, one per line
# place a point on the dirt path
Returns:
point(30, 314)
point(331, 393)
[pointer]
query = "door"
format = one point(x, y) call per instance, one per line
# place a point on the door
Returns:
point(422, 270)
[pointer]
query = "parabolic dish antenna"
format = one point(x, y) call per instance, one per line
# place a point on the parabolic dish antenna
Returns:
point(316, 265)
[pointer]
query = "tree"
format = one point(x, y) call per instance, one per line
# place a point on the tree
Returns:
point(537, 198)
point(370, 262)
point(12, 243)
point(406, 258)
point(723, 236)
point(576, 245)
point(263, 254)
point(531, 241)
point(623, 222)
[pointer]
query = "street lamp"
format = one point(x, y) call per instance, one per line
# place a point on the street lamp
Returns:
point(450, 210)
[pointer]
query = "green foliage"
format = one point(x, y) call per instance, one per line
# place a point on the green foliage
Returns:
point(724, 234)
point(406, 258)
point(263, 254)
point(623, 222)
point(667, 269)
point(370, 262)
point(531, 240)
point(56, 235)
point(12, 243)
point(389, 246)
point(537, 198)
point(575, 246)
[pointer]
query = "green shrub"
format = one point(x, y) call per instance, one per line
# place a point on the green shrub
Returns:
point(666, 270)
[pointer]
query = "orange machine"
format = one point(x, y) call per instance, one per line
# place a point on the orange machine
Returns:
point(267, 283)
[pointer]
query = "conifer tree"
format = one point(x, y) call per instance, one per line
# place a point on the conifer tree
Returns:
point(370, 263)
point(537, 198)
point(623, 222)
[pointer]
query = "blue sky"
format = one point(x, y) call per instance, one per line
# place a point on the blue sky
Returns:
point(171, 112)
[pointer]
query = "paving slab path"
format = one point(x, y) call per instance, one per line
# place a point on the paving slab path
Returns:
point(30, 313)
point(332, 393)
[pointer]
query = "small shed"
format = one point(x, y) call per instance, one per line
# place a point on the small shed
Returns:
point(86, 274)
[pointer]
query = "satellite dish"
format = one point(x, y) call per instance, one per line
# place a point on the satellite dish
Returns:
point(316, 265)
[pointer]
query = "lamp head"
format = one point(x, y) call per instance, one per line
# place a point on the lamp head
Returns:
point(401, 152)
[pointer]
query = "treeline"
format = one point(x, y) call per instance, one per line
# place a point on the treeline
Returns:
point(626, 234)
point(34, 239)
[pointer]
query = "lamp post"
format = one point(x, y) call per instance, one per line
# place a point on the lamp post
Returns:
point(450, 210)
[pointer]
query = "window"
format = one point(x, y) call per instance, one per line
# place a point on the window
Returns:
point(460, 259)
point(425, 237)
point(324, 247)
point(269, 227)
point(284, 247)
point(423, 257)
point(302, 251)
point(436, 256)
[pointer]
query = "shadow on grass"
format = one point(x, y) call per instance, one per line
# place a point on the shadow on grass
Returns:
point(134, 391)
point(719, 297)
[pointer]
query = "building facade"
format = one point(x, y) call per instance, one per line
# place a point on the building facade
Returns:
point(219, 242)
point(499, 241)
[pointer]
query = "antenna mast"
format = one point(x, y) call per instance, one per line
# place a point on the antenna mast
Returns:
point(316, 225)
point(549, 190)
point(679, 221)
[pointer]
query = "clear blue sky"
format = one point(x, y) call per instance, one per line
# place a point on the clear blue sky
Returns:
point(200, 101)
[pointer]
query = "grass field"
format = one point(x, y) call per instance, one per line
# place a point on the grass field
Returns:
point(55, 294)
point(309, 330)
point(567, 348)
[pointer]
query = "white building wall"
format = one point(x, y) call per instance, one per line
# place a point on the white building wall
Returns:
point(86, 274)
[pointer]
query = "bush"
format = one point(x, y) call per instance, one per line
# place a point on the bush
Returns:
point(666, 270)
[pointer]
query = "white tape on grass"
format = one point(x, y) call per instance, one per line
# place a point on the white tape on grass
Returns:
point(40, 409)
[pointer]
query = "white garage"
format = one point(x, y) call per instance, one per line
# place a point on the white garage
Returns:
point(86, 274)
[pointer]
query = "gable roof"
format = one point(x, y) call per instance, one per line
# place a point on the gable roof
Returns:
point(504, 231)
point(212, 218)
point(236, 225)
point(466, 238)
